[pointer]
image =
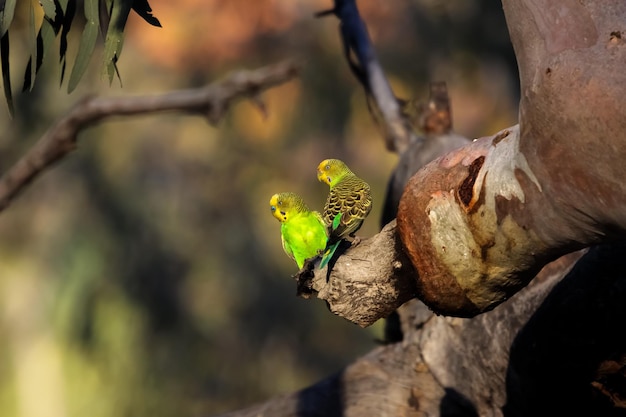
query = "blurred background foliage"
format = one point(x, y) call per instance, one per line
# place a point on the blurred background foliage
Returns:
point(143, 275)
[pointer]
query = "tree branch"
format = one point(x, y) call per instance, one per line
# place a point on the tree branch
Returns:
point(369, 72)
point(211, 101)
point(366, 283)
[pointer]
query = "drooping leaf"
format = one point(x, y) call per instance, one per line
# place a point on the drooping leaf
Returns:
point(109, 16)
point(49, 9)
point(104, 11)
point(29, 76)
point(6, 76)
point(45, 40)
point(6, 16)
point(63, 4)
point(143, 9)
point(87, 44)
point(68, 10)
point(50, 27)
point(114, 40)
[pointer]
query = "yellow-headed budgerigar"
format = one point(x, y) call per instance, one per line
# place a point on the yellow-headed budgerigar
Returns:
point(348, 203)
point(302, 231)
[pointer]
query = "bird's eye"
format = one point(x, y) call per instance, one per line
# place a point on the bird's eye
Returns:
point(327, 167)
point(280, 203)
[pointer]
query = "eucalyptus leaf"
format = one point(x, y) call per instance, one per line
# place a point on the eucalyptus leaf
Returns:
point(64, 3)
point(143, 9)
point(6, 73)
point(104, 12)
point(85, 51)
point(49, 8)
point(92, 10)
point(29, 75)
point(45, 41)
point(6, 16)
point(114, 40)
point(69, 11)
point(87, 44)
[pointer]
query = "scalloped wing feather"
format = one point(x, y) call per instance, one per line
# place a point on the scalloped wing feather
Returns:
point(352, 198)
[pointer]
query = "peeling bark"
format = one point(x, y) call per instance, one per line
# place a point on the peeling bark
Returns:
point(466, 227)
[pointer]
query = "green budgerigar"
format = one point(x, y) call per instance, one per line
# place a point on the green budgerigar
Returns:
point(348, 204)
point(302, 231)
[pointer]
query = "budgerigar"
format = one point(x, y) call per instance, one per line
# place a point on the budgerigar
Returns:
point(348, 204)
point(302, 231)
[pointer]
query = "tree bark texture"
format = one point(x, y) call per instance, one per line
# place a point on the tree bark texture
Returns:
point(480, 223)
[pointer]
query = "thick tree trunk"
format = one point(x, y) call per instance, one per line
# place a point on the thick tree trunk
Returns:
point(479, 224)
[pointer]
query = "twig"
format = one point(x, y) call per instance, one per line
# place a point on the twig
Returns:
point(369, 72)
point(212, 101)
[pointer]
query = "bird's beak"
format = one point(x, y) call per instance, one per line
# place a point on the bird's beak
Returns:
point(320, 176)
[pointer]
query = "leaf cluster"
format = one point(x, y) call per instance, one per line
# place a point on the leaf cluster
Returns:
point(105, 17)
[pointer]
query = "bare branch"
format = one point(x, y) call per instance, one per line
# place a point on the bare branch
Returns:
point(211, 101)
point(369, 72)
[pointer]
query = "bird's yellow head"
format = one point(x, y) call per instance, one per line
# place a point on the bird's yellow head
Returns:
point(330, 171)
point(285, 205)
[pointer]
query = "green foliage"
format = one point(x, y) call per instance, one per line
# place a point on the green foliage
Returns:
point(109, 16)
point(6, 17)
point(87, 43)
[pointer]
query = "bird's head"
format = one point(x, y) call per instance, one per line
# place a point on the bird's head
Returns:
point(330, 171)
point(284, 205)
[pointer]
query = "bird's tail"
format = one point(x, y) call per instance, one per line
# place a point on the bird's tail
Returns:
point(332, 245)
point(328, 253)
